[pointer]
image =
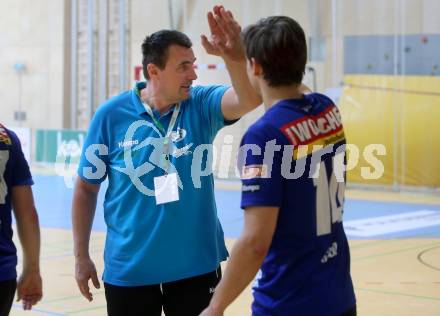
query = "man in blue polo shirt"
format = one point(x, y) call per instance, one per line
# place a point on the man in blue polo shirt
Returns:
point(16, 194)
point(164, 241)
point(292, 168)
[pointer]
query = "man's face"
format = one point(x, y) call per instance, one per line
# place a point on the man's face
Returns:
point(176, 78)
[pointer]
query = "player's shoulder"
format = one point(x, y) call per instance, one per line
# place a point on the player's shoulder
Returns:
point(113, 110)
point(259, 127)
point(319, 101)
point(205, 93)
point(115, 103)
point(207, 88)
point(318, 97)
point(262, 131)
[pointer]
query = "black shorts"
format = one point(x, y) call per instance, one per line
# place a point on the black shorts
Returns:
point(187, 297)
point(7, 292)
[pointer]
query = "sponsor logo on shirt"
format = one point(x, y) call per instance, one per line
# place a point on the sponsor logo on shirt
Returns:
point(128, 143)
point(331, 253)
point(4, 137)
point(182, 151)
point(4, 157)
point(254, 171)
point(314, 131)
point(178, 135)
point(250, 188)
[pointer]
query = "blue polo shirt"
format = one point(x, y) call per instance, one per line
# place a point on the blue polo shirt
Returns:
point(307, 268)
point(14, 171)
point(148, 243)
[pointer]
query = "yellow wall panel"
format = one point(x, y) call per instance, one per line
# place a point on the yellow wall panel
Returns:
point(403, 114)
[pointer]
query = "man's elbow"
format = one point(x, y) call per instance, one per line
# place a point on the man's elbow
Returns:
point(257, 246)
point(30, 215)
point(27, 217)
point(86, 189)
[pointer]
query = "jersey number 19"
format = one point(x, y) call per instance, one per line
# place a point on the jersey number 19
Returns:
point(329, 199)
point(4, 157)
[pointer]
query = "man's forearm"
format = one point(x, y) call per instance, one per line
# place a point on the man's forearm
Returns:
point(27, 226)
point(29, 235)
point(83, 211)
point(243, 265)
point(247, 96)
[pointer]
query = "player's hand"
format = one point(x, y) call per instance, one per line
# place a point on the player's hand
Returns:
point(84, 271)
point(29, 289)
point(225, 40)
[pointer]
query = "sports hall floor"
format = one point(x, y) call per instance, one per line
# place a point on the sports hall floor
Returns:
point(394, 239)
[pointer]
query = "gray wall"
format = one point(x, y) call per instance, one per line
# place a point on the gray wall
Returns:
point(417, 55)
point(32, 32)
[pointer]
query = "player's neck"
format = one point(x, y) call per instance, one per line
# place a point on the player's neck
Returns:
point(153, 98)
point(272, 95)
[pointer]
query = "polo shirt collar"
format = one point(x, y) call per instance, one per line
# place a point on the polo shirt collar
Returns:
point(140, 109)
point(135, 95)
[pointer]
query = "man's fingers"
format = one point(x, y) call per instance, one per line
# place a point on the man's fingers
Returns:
point(27, 305)
point(86, 293)
point(228, 27)
point(30, 300)
point(231, 25)
point(95, 280)
point(217, 9)
point(19, 294)
point(225, 34)
point(213, 20)
point(34, 296)
point(207, 44)
point(222, 31)
point(84, 289)
point(213, 28)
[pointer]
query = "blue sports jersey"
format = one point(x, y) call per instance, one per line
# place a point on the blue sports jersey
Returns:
point(14, 171)
point(307, 268)
point(148, 243)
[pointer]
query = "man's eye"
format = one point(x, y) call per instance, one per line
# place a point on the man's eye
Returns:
point(185, 67)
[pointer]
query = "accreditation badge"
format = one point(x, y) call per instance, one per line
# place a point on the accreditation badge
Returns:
point(166, 189)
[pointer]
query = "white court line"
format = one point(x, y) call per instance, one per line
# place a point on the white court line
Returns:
point(382, 225)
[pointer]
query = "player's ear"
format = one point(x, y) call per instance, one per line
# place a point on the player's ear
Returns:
point(256, 68)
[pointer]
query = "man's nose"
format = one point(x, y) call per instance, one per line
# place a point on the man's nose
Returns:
point(193, 74)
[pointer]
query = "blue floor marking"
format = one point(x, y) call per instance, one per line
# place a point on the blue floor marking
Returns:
point(54, 200)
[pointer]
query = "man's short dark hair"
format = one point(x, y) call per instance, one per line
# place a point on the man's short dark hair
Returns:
point(278, 44)
point(155, 47)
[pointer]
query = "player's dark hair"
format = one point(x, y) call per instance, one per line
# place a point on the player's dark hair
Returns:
point(278, 44)
point(155, 48)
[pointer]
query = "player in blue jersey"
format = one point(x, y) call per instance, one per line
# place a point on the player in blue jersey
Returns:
point(292, 169)
point(16, 194)
point(164, 241)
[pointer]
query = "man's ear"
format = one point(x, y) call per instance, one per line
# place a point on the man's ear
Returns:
point(257, 70)
point(152, 70)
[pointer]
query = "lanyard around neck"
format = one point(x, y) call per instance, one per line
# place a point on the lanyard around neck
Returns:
point(173, 120)
point(155, 121)
point(167, 135)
